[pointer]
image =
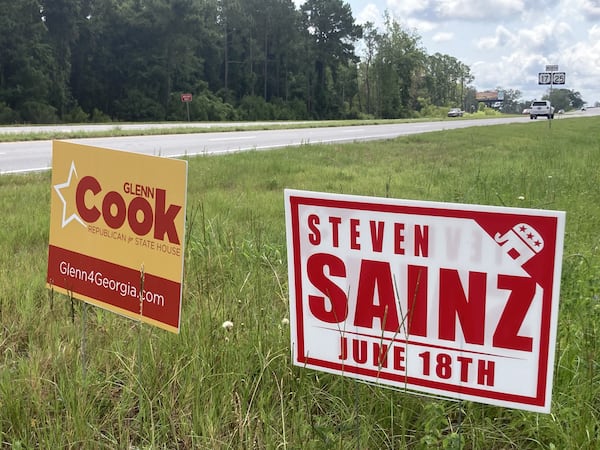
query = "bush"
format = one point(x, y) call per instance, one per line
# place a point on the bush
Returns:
point(253, 107)
point(138, 107)
point(76, 115)
point(7, 114)
point(98, 116)
point(37, 112)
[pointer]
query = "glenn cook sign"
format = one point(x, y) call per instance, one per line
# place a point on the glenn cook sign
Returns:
point(115, 216)
point(445, 299)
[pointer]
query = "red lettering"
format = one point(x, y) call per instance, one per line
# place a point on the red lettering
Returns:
point(164, 221)
point(380, 355)
point(399, 238)
point(315, 236)
point(143, 227)
point(470, 311)
point(354, 234)
point(114, 219)
point(359, 351)
point(139, 213)
point(464, 363)
point(399, 358)
point(522, 292)
point(377, 235)
point(315, 267)
point(422, 240)
point(417, 300)
point(335, 236)
point(485, 372)
point(376, 275)
point(87, 184)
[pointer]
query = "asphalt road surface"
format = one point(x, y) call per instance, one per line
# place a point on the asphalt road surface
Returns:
point(31, 156)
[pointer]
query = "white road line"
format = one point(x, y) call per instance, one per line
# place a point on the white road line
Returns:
point(240, 138)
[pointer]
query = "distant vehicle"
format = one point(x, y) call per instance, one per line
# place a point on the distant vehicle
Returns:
point(497, 105)
point(583, 108)
point(526, 111)
point(561, 111)
point(455, 112)
point(541, 108)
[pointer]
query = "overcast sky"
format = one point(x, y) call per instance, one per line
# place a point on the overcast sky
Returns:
point(506, 43)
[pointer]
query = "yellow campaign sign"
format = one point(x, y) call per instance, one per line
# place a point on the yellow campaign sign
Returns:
point(117, 231)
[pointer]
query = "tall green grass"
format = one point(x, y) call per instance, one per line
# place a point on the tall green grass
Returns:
point(78, 377)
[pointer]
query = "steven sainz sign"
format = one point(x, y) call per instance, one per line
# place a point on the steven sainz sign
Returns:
point(445, 299)
point(117, 225)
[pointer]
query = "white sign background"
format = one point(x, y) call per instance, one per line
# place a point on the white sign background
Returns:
point(445, 299)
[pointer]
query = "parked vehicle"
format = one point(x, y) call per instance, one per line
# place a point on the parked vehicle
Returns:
point(541, 108)
point(455, 112)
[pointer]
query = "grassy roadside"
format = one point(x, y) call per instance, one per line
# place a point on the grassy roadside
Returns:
point(119, 130)
point(75, 377)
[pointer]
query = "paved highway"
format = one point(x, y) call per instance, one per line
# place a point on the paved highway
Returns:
point(31, 156)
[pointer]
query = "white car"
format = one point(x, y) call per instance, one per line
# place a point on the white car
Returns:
point(541, 108)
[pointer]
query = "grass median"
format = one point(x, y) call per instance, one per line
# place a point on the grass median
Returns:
point(79, 377)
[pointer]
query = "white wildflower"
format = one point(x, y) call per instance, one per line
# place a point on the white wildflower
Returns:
point(228, 325)
point(285, 321)
point(521, 197)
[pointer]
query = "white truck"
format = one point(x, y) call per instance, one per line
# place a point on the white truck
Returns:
point(541, 108)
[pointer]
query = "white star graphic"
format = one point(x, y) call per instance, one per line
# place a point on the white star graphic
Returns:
point(66, 184)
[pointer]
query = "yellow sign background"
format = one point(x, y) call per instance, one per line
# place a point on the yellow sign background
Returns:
point(113, 169)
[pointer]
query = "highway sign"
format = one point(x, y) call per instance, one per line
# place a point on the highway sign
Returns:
point(544, 78)
point(558, 78)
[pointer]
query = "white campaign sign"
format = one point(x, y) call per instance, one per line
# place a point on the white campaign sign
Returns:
point(444, 299)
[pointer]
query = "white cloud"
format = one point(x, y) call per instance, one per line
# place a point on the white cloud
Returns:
point(477, 9)
point(502, 38)
point(591, 9)
point(594, 35)
point(420, 26)
point(370, 13)
point(506, 43)
point(443, 37)
point(402, 8)
point(546, 37)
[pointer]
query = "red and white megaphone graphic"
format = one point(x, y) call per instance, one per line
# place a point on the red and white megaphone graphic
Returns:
point(522, 242)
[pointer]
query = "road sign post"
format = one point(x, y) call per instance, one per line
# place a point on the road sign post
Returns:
point(187, 98)
point(551, 77)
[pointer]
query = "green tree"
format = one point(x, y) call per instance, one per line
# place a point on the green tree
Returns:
point(400, 71)
point(447, 80)
point(370, 39)
point(62, 18)
point(155, 54)
point(564, 99)
point(331, 34)
point(26, 63)
point(92, 62)
point(510, 102)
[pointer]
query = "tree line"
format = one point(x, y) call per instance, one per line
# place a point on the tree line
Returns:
point(130, 60)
